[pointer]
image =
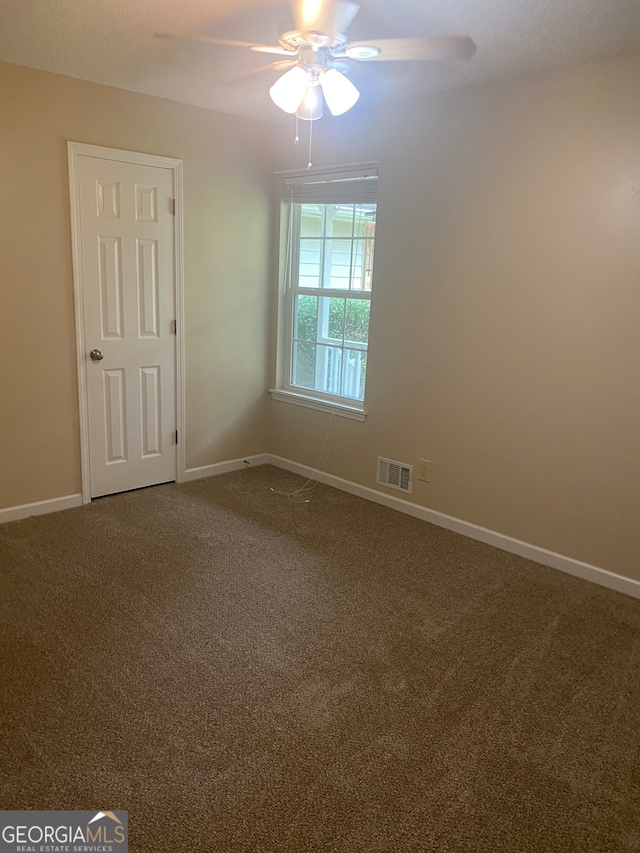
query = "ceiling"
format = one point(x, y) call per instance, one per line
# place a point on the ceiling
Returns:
point(117, 42)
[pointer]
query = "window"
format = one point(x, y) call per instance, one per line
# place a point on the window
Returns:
point(331, 224)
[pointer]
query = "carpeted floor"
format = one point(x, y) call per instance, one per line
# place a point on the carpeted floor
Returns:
point(246, 673)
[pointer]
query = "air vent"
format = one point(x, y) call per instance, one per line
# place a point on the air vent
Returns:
point(396, 475)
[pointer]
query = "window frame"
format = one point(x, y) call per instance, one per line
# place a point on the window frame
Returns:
point(350, 407)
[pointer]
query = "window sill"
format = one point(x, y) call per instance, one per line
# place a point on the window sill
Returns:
point(340, 409)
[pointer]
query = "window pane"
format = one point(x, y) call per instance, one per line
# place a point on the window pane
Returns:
point(354, 373)
point(338, 263)
point(305, 317)
point(331, 315)
point(328, 369)
point(311, 216)
point(309, 264)
point(303, 366)
point(356, 324)
point(367, 250)
point(345, 215)
point(363, 261)
point(332, 250)
point(365, 221)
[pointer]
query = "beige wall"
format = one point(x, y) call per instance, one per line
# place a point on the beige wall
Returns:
point(504, 339)
point(227, 243)
point(505, 336)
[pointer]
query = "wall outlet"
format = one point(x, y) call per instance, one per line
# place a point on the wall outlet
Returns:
point(424, 470)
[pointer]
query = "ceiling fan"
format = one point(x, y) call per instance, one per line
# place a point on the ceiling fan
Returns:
point(318, 51)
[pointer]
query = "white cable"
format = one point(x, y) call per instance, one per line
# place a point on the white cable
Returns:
point(318, 467)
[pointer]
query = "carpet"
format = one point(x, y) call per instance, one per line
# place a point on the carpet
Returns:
point(246, 672)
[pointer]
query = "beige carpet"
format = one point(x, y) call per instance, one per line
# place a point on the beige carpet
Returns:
point(245, 673)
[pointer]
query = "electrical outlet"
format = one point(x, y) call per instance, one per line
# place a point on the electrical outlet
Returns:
point(424, 470)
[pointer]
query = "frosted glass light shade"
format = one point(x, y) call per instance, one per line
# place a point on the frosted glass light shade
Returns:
point(312, 104)
point(289, 90)
point(339, 93)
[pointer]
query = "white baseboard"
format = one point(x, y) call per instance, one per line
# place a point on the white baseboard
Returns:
point(619, 583)
point(224, 467)
point(15, 513)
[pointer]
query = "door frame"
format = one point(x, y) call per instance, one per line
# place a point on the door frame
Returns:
point(75, 150)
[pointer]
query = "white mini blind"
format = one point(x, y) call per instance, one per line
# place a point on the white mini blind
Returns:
point(349, 187)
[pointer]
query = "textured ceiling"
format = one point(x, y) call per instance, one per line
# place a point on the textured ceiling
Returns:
point(116, 42)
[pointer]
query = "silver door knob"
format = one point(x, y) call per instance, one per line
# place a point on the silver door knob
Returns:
point(96, 355)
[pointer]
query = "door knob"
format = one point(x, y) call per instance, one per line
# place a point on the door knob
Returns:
point(96, 355)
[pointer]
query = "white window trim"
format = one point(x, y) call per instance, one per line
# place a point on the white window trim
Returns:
point(342, 410)
point(284, 391)
point(328, 172)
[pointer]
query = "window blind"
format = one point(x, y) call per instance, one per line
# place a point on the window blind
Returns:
point(341, 188)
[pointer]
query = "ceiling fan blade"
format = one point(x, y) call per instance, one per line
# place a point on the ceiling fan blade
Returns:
point(279, 65)
point(420, 48)
point(260, 48)
point(329, 17)
point(267, 48)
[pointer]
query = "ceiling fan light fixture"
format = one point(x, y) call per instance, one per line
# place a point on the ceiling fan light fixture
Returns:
point(312, 106)
point(339, 93)
point(289, 90)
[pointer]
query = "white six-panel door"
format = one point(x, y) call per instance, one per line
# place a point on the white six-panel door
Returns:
point(127, 269)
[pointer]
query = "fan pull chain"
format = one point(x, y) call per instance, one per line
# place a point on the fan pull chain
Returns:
point(297, 137)
point(309, 164)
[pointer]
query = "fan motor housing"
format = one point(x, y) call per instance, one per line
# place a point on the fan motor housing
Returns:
point(294, 40)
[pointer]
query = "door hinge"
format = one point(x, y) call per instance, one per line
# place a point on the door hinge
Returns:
point(174, 327)
point(173, 206)
point(176, 433)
